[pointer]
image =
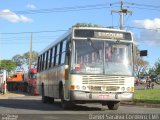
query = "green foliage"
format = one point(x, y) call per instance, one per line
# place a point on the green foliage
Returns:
point(86, 25)
point(147, 96)
point(157, 67)
point(34, 57)
point(7, 65)
point(20, 60)
point(151, 71)
point(140, 65)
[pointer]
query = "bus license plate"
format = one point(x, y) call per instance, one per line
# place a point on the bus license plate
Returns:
point(103, 96)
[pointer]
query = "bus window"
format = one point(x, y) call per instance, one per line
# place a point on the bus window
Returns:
point(63, 51)
point(57, 54)
point(53, 56)
point(43, 62)
point(50, 60)
point(46, 61)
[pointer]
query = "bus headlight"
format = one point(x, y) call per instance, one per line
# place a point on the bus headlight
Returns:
point(77, 87)
point(128, 89)
point(122, 89)
point(83, 87)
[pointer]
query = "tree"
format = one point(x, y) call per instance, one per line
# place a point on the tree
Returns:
point(140, 65)
point(157, 67)
point(151, 71)
point(8, 65)
point(18, 59)
point(34, 57)
point(22, 60)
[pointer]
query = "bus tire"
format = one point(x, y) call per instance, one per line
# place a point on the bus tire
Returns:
point(113, 105)
point(51, 100)
point(44, 98)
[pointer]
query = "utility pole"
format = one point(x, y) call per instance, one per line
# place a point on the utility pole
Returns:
point(122, 11)
point(30, 53)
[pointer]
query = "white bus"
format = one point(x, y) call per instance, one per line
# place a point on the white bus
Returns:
point(88, 64)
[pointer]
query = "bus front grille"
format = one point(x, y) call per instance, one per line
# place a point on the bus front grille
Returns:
point(103, 83)
point(103, 80)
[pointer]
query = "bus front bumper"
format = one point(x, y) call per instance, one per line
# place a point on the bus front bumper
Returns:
point(83, 96)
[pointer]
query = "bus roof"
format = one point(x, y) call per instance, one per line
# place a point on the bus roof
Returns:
point(100, 28)
point(69, 32)
point(56, 41)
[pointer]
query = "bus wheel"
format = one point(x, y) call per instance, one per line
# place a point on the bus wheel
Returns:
point(51, 100)
point(44, 98)
point(113, 105)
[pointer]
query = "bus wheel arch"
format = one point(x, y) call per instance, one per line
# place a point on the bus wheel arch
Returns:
point(44, 98)
point(60, 89)
point(65, 104)
point(61, 94)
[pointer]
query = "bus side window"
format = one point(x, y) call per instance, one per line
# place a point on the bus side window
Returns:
point(63, 51)
point(67, 58)
point(53, 57)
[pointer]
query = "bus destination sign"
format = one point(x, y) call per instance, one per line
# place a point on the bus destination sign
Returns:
point(109, 35)
point(117, 35)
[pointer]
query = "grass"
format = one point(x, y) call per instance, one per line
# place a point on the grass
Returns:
point(147, 96)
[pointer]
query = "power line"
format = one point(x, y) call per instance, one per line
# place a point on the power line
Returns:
point(155, 9)
point(145, 5)
point(156, 29)
point(141, 6)
point(60, 9)
point(34, 32)
point(50, 38)
point(24, 43)
point(27, 37)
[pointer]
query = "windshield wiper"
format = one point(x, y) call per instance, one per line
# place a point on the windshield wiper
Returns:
point(92, 45)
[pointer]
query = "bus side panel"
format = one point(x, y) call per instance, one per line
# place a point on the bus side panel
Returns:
point(53, 82)
point(45, 79)
point(50, 82)
point(51, 79)
point(61, 78)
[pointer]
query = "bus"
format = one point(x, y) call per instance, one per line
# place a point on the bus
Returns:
point(88, 64)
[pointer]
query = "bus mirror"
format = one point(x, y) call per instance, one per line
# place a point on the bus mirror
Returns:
point(143, 53)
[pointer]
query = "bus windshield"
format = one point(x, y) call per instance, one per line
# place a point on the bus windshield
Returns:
point(101, 57)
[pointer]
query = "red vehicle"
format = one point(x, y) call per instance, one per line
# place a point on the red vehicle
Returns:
point(32, 81)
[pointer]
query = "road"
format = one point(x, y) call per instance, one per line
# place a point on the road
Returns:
point(31, 107)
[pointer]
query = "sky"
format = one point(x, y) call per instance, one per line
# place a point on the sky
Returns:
point(48, 19)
